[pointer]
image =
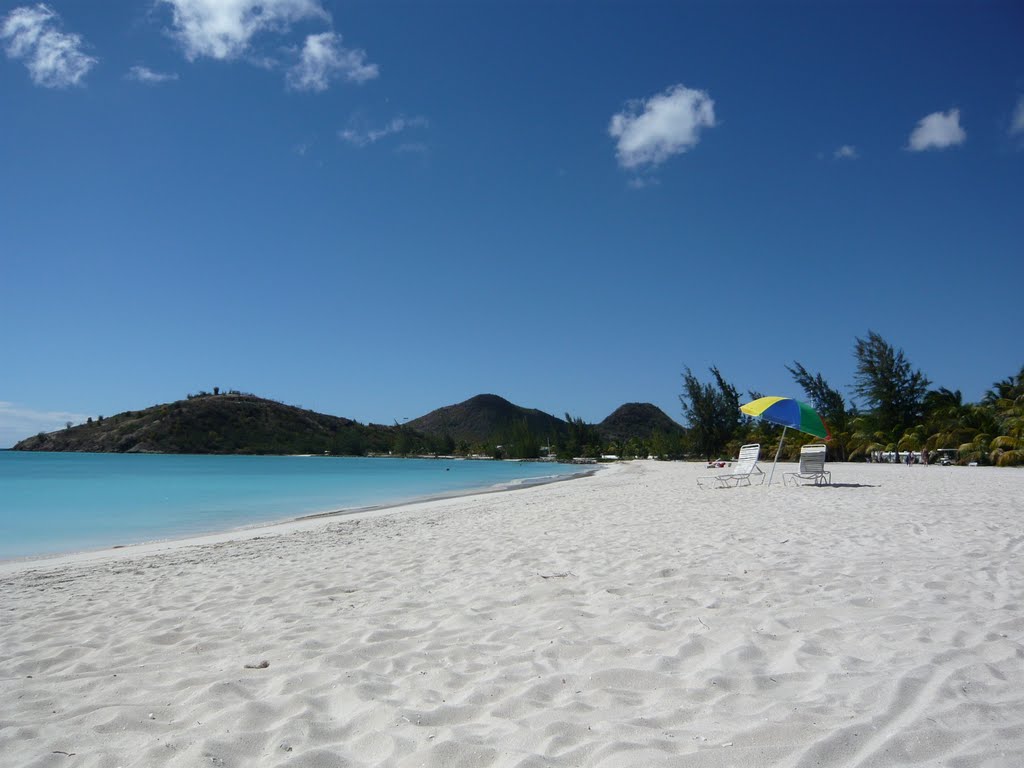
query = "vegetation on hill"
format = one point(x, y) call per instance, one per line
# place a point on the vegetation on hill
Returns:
point(637, 420)
point(234, 422)
point(642, 429)
point(899, 413)
point(491, 425)
point(484, 417)
point(217, 423)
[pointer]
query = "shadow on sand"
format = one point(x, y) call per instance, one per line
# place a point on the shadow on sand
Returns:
point(834, 485)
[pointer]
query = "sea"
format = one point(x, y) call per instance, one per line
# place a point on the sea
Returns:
point(52, 503)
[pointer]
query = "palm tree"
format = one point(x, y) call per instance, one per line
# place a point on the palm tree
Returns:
point(1007, 389)
point(913, 439)
point(865, 437)
point(945, 419)
point(1006, 401)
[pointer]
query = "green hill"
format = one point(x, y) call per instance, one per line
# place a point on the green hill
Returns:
point(486, 418)
point(243, 423)
point(221, 423)
point(638, 420)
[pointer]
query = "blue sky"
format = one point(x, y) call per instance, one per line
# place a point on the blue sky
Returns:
point(375, 209)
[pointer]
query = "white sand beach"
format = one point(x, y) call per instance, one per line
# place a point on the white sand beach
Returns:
point(624, 619)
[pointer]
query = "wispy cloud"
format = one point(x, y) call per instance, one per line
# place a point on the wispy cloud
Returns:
point(18, 422)
point(147, 76)
point(412, 148)
point(223, 29)
point(54, 59)
point(846, 152)
point(642, 182)
point(365, 137)
point(938, 130)
point(323, 59)
point(1017, 124)
point(650, 132)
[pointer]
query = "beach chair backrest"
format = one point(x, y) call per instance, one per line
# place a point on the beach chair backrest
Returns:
point(747, 460)
point(812, 459)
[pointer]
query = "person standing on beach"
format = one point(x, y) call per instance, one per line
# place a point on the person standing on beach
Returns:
point(924, 457)
point(910, 458)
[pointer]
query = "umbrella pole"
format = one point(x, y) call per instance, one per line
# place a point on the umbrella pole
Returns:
point(784, 428)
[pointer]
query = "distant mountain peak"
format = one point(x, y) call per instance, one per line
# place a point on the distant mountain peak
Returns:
point(483, 417)
point(488, 400)
point(234, 422)
point(640, 420)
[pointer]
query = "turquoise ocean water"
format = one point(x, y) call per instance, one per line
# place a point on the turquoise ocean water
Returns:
point(67, 502)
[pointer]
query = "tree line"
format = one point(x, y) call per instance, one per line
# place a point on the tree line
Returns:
point(898, 412)
point(517, 440)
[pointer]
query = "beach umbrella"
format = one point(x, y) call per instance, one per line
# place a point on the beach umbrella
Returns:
point(789, 414)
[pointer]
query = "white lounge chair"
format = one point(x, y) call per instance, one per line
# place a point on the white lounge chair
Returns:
point(812, 466)
point(746, 465)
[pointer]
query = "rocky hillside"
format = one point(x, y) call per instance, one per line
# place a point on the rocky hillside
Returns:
point(484, 418)
point(221, 423)
point(639, 420)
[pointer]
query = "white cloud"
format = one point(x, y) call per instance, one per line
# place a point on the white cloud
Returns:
point(649, 132)
point(362, 138)
point(846, 152)
point(222, 29)
point(54, 59)
point(642, 182)
point(146, 75)
point(324, 58)
point(938, 131)
point(18, 422)
point(1017, 126)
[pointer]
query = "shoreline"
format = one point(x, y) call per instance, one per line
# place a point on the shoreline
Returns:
point(624, 620)
point(284, 525)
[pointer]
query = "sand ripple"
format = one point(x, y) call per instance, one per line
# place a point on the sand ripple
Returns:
point(627, 619)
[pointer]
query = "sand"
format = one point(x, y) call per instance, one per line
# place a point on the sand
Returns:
point(624, 619)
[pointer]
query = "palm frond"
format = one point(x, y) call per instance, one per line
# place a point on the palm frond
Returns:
point(1004, 443)
point(1010, 459)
